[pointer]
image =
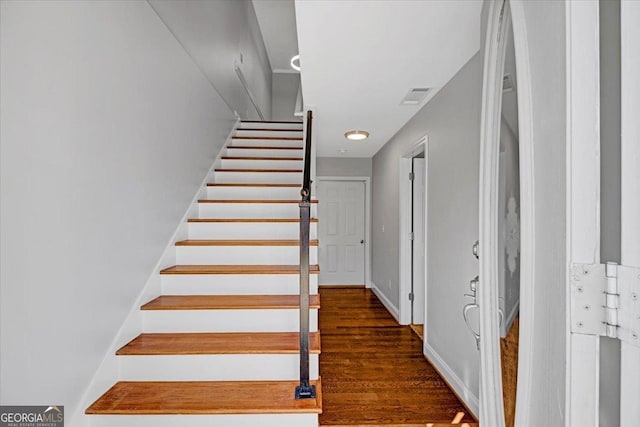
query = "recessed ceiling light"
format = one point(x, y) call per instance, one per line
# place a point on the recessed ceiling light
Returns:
point(356, 135)
point(295, 62)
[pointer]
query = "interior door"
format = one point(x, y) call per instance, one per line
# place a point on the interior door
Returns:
point(418, 247)
point(341, 229)
point(630, 193)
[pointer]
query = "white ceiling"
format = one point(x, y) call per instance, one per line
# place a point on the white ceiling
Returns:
point(359, 59)
point(277, 20)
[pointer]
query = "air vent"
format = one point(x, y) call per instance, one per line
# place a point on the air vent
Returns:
point(415, 96)
point(507, 83)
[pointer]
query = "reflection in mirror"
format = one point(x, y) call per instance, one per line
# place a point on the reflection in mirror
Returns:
point(509, 231)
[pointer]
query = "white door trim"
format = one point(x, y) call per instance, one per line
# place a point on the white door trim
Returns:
point(367, 218)
point(405, 214)
point(491, 402)
point(583, 200)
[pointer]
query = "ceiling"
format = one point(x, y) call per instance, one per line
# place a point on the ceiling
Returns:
point(360, 58)
point(277, 20)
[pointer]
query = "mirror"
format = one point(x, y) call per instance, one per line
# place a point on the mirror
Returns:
point(509, 230)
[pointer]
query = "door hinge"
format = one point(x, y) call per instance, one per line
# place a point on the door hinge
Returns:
point(411, 236)
point(411, 296)
point(412, 176)
point(605, 300)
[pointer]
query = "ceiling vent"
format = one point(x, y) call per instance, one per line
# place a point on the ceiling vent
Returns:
point(507, 83)
point(415, 96)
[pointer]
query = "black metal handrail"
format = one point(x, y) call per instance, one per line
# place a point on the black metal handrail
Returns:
point(305, 390)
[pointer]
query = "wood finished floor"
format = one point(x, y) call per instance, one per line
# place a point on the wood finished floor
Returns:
point(373, 371)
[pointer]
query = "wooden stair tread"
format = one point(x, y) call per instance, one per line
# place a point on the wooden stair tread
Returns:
point(253, 184)
point(251, 201)
point(268, 130)
point(204, 397)
point(276, 138)
point(243, 242)
point(294, 122)
point(251, 147)
point(260, 158)
point(259, 170)
point(237, 269)
point(258, 220)
point(218, 343)
point(228, 302)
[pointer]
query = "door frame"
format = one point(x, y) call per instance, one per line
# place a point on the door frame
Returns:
point(367, 218)
point(405, 216)
point(491, 400)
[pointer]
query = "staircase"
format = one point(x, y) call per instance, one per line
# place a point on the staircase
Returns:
point(220, 346)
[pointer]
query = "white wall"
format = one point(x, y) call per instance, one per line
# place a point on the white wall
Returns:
point(452, 121)
point(218, 34)
point(343, 166)
point(284, 96)
point(107, 129)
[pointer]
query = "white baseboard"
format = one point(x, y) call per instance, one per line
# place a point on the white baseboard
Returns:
point(386, 302)
point(469, 399)
point(109, 370)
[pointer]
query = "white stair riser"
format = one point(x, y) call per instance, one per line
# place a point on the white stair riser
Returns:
point(253, 320)
point(218, 367)
point(248, 230)
point(252, 210)
point(245, 152)
point(261, 164)
point(244, 193)
point(235, 284)
point(263, 125)
point(257, 142)
point(227, 177)
point(239, 255)
point(239, 420)
point(270, 133)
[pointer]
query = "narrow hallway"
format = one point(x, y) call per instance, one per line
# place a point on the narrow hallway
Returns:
point(373, 371)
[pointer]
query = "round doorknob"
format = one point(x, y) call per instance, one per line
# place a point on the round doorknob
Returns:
point(361, 241)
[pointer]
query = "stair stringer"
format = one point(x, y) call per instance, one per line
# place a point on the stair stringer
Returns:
point(109, 370)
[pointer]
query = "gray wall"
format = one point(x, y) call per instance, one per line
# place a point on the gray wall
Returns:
point(452, 121)
point(284, 94)
point(108, 128)
point(217, 34)
point(343, 166)
point(610, 193)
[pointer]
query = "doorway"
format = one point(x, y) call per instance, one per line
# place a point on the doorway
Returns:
point(413, 249)
point(343, 231)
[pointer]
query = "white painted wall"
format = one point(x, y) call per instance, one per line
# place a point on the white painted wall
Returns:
point(284, 92)
point(218, 34)
point(343, 166)
point(107, 129)
point(452, 121)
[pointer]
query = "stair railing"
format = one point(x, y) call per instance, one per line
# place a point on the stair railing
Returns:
point(305, 390)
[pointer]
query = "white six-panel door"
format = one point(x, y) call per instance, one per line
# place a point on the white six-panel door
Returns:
point(341, 229)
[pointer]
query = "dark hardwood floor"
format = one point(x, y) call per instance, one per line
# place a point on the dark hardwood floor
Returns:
point(373, 371)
